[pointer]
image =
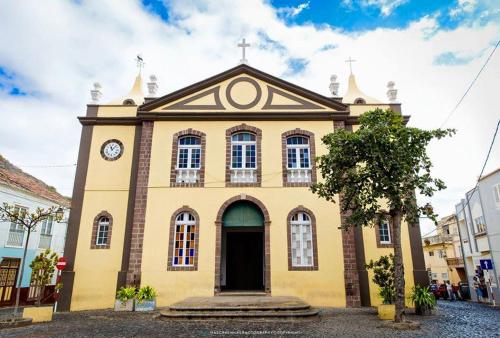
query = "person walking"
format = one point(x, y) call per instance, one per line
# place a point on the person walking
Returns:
point(477, 288)
point(451, 294)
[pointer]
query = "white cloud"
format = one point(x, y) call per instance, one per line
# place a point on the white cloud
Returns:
point(291, 12)
point(58, 49)
point(386, 6)
point(463, 6)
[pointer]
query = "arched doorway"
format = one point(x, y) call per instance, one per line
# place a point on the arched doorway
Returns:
point(242, 248)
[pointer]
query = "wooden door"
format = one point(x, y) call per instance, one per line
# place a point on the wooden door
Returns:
point(9, 268)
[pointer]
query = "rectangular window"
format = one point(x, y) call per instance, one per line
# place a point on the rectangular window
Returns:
point(250, 156)
point(441, 254)
point(384, 232)
point(496, 194)
point(431, 253)
point(237, 156)
point(480, 224)
point(47, 226)
point(21, 211)
point(16, 230)
point(304, 157)
point(444, 275)
point(183, 158)
point(292, 158)
point(195, 158)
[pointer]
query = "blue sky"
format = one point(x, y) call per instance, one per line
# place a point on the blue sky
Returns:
point(362, 15)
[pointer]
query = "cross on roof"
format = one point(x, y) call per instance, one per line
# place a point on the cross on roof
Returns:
point(243, 45)
point(350, 60)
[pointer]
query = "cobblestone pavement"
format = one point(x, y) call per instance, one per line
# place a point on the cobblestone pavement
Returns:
point(453, 319)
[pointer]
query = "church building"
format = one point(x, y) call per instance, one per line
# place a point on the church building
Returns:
point(205, 191)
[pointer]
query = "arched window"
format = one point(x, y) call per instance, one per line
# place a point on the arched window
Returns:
point(243, 157)
point(359, 100)
point(298, 158)
point(302, 244)
point(189, 159)
point(101, 231)
point(183, 250)
point(301, 240)
point(188, 168)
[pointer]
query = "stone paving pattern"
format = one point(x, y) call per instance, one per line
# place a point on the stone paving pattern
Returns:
point(453, 319)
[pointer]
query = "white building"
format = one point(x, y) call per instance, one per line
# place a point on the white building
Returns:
point(26, 192)
point(479, 225)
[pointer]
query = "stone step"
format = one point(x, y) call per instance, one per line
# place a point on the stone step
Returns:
point(238, 314)
point(241, 308)
point(240, 303)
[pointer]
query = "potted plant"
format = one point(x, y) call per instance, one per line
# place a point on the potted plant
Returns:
point(145, 299)
point(125, 299)
point(383, 276)
point(43, 268)
point(423, 299)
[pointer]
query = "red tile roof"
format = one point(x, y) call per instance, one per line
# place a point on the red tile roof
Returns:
point(12, 176)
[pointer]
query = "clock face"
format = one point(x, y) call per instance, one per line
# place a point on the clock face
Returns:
point(112, 150)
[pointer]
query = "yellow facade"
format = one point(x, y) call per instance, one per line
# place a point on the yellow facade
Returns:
point(108, 187)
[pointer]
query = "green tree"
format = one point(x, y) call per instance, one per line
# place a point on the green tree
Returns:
point(43, 267)
point(383, 276)
point(380, 166)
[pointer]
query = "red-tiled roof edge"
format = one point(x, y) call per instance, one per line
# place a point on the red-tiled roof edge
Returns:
point(14, 177)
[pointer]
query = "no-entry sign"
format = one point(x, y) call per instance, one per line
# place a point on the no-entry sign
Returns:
point(61, 263)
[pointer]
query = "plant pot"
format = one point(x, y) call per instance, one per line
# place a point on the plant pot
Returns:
point(124, 306)
point(38, 313)
point(145, 305)
point(423, 310)
point(387, 311)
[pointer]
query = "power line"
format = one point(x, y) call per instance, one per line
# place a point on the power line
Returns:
point(480, 175)
point(470, 86)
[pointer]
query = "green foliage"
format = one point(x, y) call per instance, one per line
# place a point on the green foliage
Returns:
point(383, 161)
point(125, 294)
point(383, 276)
point(422, 297)
point(146, 293)
point(43, 268)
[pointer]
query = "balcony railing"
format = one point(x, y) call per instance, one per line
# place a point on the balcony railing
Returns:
point(188, 175)
point(15, 238)
point(45, 241)
point(243, 176)
point(299, 175)
point(455, 262)
point(438, 239)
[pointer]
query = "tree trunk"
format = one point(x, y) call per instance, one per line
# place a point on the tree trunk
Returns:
point(18, 291)
point(399, 274)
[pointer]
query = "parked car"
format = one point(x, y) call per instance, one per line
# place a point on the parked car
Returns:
point(439, 291)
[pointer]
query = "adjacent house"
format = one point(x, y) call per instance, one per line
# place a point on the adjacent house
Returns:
point(27, 193)
point(443, 253)
point(479, 226)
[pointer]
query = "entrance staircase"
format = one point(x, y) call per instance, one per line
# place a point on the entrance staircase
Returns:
point(235, 305)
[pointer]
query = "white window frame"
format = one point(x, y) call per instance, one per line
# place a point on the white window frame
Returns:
point(101, 223)
point(301, 222)
point(297, 148)
point(244, 145)
point(16, 228)
point(189, 148)
point(47, 223)
point(496, 194)
point(186, 219)
point(385, 223)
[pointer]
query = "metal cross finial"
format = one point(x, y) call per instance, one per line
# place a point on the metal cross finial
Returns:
point(350, 63)
point(243, 45)
point(140, 62)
